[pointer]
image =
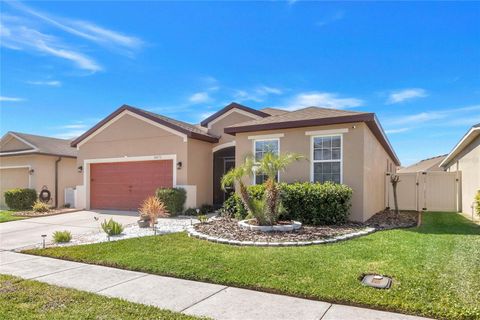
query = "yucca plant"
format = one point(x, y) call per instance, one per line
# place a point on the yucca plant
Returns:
point(267, 210)
point(62, 236)
point(152, 208)
point(40, 206)
point(111, 227)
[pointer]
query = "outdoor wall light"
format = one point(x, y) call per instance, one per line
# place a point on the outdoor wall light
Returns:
point(179, 165)
point(31, 171)
point(80, 169)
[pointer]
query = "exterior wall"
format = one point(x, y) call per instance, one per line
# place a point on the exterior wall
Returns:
point(200, 170)
point(376, 163)
point(233, 118)
point(468, 162)
point(44, 173)
point(14, 144)
point(353, 167)
point(132, 137)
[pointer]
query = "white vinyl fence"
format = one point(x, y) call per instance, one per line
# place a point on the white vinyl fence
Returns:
point(432, 191)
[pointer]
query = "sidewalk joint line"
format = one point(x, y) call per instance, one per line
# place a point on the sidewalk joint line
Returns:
point(328, 309)
point(199, 301)
point(49, 274)
point(122, 282)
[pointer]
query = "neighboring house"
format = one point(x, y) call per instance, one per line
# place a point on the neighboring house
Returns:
point(31, 161)
point(465, 157)
point(426, 165)
point(132, 151)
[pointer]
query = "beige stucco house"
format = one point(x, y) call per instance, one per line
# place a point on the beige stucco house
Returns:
point(465, 157)
point(31, 161)
point(130, 153)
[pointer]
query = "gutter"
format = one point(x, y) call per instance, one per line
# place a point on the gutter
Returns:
point(56, 181)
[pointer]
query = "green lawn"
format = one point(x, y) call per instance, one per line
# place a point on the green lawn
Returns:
point(25, 299)
point(436, 268)
point(6, 216)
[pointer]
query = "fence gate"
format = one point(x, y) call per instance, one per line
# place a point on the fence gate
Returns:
point(432, 191)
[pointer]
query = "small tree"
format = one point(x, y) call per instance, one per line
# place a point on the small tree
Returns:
point(152, 208)
point(394, 180)
point(267, 210)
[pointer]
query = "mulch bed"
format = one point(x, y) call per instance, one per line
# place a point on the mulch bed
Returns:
point(387, 219)
point(229, 229)
point(51, 212)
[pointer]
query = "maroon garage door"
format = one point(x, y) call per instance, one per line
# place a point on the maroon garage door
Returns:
point(124, 185)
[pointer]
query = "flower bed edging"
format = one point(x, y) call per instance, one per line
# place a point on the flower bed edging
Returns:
point(195, 234)
point(279, 228)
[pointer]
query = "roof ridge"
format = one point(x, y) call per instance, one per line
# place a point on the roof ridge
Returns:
point(36, 135)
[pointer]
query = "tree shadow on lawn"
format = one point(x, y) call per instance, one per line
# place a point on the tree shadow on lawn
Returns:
point(446, 223)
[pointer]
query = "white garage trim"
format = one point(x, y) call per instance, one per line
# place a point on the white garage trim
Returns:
point(21, 167)
point(87, 162)
point(126, 112)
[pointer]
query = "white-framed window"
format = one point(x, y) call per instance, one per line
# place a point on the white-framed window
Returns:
point(326, 155)
point(260, 148)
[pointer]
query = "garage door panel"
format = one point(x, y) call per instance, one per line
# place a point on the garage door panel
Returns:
point(125, 185)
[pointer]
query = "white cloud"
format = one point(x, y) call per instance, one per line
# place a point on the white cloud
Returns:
point(454, 116)
point(25, 38)
point(83, 29)
point(399, 130)
point(69, 134)
point(199, 97)
point(322, 99)
point(332, 18)
point(257, 94)
point(51, 83)
point(11, 99)
point(406, 94)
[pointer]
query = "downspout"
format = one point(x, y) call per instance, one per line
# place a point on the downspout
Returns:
point(56, 181)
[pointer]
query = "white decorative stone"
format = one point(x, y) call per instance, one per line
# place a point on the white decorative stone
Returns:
point(278, 228)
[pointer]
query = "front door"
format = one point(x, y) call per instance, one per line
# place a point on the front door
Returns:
point(223, 161)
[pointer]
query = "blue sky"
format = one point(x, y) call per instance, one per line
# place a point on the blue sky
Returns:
point(66, 65)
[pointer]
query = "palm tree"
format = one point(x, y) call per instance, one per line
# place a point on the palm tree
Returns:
point(266, 212)
point(270, 165)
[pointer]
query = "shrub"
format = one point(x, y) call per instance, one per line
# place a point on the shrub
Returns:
point(111, 227)
point(173, 198)
point(202, 218)
point(190, 212)
point(151, 209)
point(40, 206)
point(20, 199)
point(62, 236)
point(206, 208)
point(309, 203)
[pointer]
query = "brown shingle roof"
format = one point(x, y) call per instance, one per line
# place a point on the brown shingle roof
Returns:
point(190, 130)
point(430, 164)
point(315, 116)
point(273, 111)
point(46, 145)
point(233, 105)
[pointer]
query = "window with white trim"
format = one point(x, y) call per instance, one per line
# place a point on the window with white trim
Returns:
point(260, 148)
point(327, 158)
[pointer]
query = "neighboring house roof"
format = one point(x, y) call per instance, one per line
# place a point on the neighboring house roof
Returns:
point(189, 130)
point(430, 164)
point(231, 106)
point(471, 135)
point(315, 116)
point(39, 145)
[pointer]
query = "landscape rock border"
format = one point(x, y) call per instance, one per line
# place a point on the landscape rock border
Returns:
point(195, 234)
point(295, 225)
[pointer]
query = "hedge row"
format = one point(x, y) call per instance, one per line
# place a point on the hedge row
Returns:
point(173, 198)
point(309, 203)
point(20, 199)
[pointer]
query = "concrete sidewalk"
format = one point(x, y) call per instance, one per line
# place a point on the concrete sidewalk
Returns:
point(190, 297)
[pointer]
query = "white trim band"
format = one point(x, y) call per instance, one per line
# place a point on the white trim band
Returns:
point(326, 132)
point(267, 136)
point(223, 146)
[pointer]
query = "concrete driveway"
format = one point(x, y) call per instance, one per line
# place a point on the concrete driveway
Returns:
point(24, 233)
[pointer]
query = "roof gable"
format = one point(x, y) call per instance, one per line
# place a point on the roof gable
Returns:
point(233, 106)
point(175, 126)
point(315, 116)
point(468, 138)
point(39, 145)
